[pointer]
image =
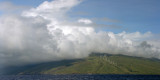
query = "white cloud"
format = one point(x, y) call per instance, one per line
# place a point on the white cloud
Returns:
point(136, 35)
point(85, 21)
point(40, 35)
point(9, 7)
point(52, 10)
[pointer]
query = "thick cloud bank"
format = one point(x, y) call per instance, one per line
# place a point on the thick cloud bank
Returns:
point(45, 33)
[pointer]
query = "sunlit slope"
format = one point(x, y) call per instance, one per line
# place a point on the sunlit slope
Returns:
point(102, 64)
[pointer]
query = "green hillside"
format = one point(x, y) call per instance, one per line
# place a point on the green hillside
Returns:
point(114, 64)
point(98, 64)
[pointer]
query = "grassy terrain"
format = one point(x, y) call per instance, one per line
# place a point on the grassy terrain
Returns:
point(97, 64)
point(109, 65)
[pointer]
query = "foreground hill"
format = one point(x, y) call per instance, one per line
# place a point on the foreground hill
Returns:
point(95, 64)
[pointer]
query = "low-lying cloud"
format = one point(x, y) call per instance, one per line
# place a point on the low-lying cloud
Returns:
point(40, 35)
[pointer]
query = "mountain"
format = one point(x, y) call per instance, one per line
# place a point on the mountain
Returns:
point(96, 63)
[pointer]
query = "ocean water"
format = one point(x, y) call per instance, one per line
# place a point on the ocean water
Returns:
point(79, 77)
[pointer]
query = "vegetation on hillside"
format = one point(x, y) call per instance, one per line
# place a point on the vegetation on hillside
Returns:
point(109, 64)
point(95, 64)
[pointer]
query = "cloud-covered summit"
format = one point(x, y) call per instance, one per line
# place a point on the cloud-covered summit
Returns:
point(45, 33)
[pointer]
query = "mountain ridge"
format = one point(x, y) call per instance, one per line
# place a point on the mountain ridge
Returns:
point(97, 63)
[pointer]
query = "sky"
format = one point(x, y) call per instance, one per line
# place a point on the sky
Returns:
point(131, 15)
point(134, 15)
point(35, 31)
